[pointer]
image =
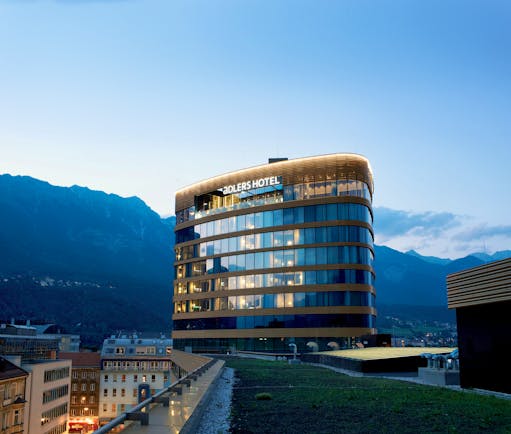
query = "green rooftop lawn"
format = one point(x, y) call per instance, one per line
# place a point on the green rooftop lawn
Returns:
point(307, 399)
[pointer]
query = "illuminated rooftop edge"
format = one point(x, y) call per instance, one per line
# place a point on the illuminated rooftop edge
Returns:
point(278, 165)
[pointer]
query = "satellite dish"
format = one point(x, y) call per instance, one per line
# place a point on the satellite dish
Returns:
point(313, 346)
point(333, 345)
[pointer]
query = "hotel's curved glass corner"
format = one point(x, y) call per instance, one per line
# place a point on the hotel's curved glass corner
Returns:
point(276, 254)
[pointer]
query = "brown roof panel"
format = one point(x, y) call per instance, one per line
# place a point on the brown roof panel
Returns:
point(488, 283)
point(10, 370)
point(82, 360)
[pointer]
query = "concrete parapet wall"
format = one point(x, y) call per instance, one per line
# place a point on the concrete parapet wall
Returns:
point(192, 423)
point(188, 361)
point(440, 377)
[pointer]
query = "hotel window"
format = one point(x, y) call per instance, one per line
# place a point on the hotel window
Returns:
point(119, 350)
point(279, 300)
point(135, 378)
point(84, 374)
point(92, 399)
point(134, 393)
point(73, 400)
point(105, 392)
point(75, 387)
point(123, 392)
point(113, 408)
point(123, 407)
point(84, 387)
point(105, 378)
point(105, 408)
point(75, 375)
point(92, 387)
point(153, 378)
point(114, 379)
point(123, 378)
point(114, 392)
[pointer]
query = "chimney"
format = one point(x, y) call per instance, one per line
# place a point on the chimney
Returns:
point(276, 160)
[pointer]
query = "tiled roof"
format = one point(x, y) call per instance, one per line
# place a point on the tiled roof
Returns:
point(82, 360)
point(10, 370)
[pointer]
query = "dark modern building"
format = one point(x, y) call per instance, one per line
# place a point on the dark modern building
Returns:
point(482, 299)
point(276, 254)
point(23, 341)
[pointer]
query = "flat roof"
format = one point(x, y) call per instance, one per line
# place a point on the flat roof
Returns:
point(378, 353)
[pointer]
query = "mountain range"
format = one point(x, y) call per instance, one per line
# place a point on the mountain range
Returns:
point(92, 262)
point(96, 263)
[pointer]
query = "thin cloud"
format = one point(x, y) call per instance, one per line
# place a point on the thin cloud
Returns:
point(438, 233)
point(483, 231)
point(391, 223)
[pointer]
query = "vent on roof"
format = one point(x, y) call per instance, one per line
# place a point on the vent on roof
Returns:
point(276, 160)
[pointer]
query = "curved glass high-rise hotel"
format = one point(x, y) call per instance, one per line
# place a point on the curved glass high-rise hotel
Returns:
point(276, 254)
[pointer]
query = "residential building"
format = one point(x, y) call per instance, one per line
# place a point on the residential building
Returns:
point(12, 397)
point(85, 384)
point(47, 393)
point(132, 369)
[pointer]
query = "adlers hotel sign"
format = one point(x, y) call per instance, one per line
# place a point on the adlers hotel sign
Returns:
point(250, 184)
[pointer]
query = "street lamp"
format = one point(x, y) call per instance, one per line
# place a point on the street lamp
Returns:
point(294, 350)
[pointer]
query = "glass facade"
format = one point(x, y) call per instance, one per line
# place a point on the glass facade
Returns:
point(278, 254)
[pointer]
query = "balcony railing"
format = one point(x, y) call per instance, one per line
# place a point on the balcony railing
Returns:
point(137, 413)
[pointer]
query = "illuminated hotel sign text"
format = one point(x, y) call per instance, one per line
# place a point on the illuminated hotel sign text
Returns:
point(250, 184)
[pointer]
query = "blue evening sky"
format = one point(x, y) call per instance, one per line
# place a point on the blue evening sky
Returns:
point(143, 97)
